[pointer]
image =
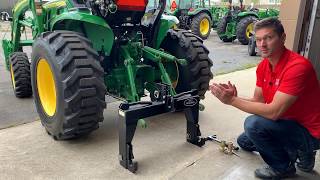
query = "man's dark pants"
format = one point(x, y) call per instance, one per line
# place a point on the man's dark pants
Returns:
point(276, 141)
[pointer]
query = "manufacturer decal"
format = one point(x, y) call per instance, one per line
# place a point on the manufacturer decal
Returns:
point(190, 102)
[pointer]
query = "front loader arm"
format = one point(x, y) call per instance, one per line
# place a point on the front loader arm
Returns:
point(19, 22)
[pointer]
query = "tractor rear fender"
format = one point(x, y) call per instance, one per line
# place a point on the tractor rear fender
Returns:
point(247, 13)
point(273, 12)
point(166, 22)
point(199, 11)
point(93, 27)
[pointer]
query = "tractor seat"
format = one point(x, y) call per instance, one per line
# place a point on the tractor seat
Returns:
point(128, 11)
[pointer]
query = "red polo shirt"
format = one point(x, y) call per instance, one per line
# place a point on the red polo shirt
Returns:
point(296, 76)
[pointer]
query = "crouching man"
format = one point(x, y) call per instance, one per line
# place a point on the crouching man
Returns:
point(285, 125)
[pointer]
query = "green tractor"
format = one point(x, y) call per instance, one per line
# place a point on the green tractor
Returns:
point(218, 12)
point(238, 22)
point(252, 46)
point(194, 16)
point(85, 49)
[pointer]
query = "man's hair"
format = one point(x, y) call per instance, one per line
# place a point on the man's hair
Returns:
point(271, 22)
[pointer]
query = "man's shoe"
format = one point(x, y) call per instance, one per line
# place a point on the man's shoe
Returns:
point(270, 173)
point(306, 161)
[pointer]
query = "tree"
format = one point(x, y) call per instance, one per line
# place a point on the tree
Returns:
point(255, 2)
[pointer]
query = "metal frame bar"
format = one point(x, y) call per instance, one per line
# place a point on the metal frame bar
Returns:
point(130, 113)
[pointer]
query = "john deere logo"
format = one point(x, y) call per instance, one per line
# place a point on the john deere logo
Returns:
point(190, 102)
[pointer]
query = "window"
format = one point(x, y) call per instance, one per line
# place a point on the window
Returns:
point(274, 1)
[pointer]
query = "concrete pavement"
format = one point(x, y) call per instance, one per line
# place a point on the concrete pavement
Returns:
point(27, 152)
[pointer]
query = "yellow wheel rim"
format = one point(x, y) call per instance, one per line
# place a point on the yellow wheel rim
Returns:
point(46, 87)
point(175, 81)
point(175, 26)
point(12, 77)
point(249, 30)
point(172, 69)
point(204, 26)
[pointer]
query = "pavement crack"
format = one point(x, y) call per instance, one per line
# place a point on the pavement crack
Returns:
point(186, 167)
point(190, 164)
point(19, 124)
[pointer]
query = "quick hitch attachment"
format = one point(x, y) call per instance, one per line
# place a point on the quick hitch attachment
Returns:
point(130, 113)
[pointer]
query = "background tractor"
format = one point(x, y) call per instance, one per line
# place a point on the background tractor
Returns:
point(85, 49)
point(194, 16)
point(218, 12)
point(238, 22)
point(252, 46)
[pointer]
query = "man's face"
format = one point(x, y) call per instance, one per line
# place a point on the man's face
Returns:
point(268, 41)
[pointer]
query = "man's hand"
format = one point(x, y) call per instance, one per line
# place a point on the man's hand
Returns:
point(224, 92)
point(230, 86)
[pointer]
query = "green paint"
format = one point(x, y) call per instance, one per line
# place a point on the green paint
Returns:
point(130, 67)
point(165, 25)
point(128, 62)
point(7, 50)
point(26, 42)
point(94, 27)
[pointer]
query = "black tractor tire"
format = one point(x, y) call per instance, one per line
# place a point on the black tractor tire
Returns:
point(196, 25)
point(221, 30)
point(242, 28)
point(78, 81)
point(197, 73)
point(252, 47)
point(20, 75)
